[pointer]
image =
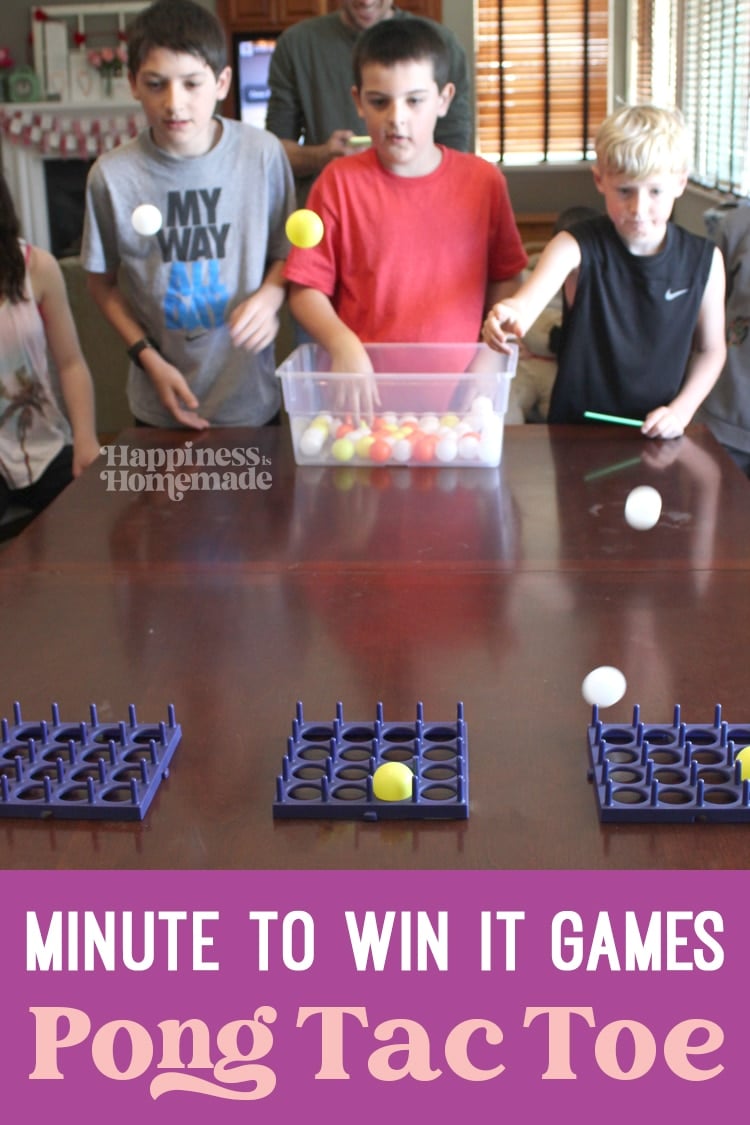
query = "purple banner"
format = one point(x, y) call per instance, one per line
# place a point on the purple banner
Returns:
point(373, 996)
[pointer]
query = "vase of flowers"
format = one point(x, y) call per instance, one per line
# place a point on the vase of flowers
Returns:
point(110, 62)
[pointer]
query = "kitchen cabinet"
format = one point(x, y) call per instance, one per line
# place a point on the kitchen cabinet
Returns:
point(274, 15)
point(266, 15)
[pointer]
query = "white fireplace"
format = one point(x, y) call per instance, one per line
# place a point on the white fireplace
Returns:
point(35, 133)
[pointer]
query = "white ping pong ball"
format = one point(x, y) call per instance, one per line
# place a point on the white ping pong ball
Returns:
point(643, 508)
point(146, 219)
point(604, 686)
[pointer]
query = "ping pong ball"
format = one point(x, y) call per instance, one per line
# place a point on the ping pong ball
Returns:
point(604, 686)
point(743, 757)
point(392, 782)
point(643, 508)
point(343, 449)
point(304, 228)
point(146, 219)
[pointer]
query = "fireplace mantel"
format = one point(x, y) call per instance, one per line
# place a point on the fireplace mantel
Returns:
point(35, 132)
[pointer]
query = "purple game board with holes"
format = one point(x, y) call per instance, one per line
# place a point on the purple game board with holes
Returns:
point(669, 772)
point(328, 767)
point(83, 770)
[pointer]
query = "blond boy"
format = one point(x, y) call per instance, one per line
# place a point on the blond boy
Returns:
point(643, 326)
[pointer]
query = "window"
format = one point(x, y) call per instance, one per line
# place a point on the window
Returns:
point(541, 78)
point(696, 54)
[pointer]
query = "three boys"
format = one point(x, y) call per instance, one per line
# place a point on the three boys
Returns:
point(420, 242)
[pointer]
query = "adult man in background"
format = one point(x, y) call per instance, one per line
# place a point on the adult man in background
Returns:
point(311, 109)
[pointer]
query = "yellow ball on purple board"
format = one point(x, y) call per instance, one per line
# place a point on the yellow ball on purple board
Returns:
point(743, 757)
point(304, 228)
point(392, 781)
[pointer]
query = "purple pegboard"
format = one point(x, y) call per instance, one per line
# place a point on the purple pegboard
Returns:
point(671, 772)
point(79, 770)
point(328, 768)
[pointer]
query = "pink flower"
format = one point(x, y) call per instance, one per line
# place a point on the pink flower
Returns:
point(107, 60)
point(6, 59)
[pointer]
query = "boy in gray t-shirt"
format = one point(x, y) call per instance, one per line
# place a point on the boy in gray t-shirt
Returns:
point(193, 282)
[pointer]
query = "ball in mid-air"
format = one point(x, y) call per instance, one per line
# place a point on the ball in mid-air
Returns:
point(304, 228)
point(604, 686)
point(146, 219)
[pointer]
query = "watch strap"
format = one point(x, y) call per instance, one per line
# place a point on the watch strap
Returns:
point(134, 351)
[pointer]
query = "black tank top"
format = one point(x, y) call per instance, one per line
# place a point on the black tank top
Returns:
point(627, 338)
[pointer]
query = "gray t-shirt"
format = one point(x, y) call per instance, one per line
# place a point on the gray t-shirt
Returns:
point(223, 224)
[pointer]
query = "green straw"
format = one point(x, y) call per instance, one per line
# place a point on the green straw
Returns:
point(612, 418)
point(595, 474)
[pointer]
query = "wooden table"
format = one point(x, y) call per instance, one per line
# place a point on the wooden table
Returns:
point(501, 588)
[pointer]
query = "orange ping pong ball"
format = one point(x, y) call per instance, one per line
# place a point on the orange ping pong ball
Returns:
point(304, 228)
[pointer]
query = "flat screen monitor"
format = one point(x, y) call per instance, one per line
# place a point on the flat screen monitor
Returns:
point(252, 59)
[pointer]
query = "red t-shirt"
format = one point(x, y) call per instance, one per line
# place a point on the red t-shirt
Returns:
point(409, 259)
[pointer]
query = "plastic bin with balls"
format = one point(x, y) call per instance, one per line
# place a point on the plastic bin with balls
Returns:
point(425, 405)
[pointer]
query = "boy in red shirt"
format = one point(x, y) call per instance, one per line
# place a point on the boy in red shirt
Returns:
point(420, 240)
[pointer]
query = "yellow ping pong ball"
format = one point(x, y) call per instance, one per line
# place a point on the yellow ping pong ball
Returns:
point(392, 782)
point(743, 757)
point(304, 228)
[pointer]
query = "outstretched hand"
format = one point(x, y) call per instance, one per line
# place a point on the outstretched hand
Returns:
point(500, 325)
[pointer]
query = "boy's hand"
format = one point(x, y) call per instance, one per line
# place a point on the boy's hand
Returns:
point(254, 324)
point(357, 396)
point(173, 391)
point(501, 323)
point(338, 144)
point(664, 422)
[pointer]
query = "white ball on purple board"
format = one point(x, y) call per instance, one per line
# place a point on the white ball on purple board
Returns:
point(604, 686)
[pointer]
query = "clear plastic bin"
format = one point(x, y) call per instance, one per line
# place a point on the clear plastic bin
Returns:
point(426, 404)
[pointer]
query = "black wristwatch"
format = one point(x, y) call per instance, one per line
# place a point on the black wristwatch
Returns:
point(134, 351)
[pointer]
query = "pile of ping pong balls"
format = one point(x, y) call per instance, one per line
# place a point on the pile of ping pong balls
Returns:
point(604, 686)
point(304, 228)
point(146, 219)
point(643, 508)
point(426, 439)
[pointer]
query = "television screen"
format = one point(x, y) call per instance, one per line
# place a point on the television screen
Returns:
point(252, 58)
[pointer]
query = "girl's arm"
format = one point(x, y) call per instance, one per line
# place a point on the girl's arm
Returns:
point(50, 294)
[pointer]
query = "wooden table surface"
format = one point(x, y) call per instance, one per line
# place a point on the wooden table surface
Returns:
point(501, 588)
